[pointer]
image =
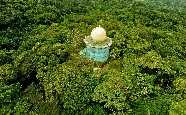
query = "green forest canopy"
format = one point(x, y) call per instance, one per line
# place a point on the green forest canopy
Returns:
point(41, 71)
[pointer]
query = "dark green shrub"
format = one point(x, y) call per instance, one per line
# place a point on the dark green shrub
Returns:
point(7, 72)
point(5, 57)
point(73, 86)
point(8, 96)
point(155, 106)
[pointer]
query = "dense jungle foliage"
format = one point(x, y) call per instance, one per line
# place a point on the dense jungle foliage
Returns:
point(41, 71)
